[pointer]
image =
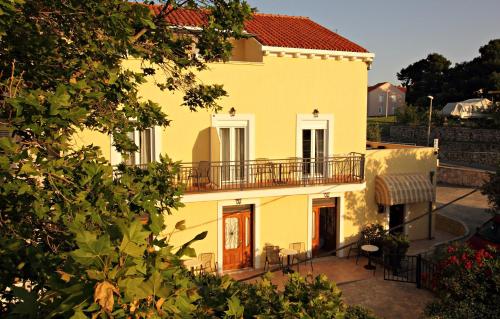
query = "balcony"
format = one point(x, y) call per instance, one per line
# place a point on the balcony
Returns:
point(205, 176)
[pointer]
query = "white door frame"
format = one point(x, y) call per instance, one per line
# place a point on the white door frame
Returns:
point(340, 220)
point(309, 121)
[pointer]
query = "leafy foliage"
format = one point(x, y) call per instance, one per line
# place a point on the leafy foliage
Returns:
point(75, 239)
point(492, 190)
point(467, 284)
point(373, 132)
point(301, 298)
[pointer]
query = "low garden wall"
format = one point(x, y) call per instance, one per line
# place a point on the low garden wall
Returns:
point(462, 176)
point(451, 226)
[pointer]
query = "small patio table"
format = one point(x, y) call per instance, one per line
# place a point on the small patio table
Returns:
point(369, 249)
point(192, 264)
point(288, 252)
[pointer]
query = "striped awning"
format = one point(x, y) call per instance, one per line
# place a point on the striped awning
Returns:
point(403, 189)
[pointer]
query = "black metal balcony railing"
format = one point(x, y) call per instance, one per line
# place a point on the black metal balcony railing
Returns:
point(205, 176)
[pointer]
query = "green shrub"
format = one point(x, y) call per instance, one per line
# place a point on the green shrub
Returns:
point(467, 284)
point(302, 298)
point(396, 244)
point(358, 312)
point(373, 132)
point(410, 115)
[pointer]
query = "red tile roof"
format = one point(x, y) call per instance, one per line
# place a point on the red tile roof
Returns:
point(276, 30)
point(376, 86)
point(373, 87)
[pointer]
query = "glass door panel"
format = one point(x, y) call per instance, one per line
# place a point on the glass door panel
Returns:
point(239, 153)
point(319, 151)
point(313, 151)
point(306, 151)
point(225, 153)
point(232, 235)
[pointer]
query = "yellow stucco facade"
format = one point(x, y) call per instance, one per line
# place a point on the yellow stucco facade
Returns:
point(274, 95)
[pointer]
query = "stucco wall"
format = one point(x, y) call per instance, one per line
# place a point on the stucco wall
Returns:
point(275, 91)
point(400, 161)
point(278, 221)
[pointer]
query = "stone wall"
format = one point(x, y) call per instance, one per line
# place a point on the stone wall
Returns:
point(462, 176)
point(476, 147)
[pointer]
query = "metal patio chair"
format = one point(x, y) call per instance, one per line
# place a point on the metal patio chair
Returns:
point(201, 175)
point(302, 256)
point(273, 257)
point(208, 263)
point(356, 248)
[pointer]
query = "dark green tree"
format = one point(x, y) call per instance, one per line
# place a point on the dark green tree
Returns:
point(474, 78)
point(435, 76)
point(491, 189)
point(424, 77)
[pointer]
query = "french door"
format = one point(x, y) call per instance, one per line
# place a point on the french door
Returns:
point(233, 153)
point(237, 234)
point(313, 151)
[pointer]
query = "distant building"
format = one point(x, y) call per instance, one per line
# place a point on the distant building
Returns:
point(384, 99)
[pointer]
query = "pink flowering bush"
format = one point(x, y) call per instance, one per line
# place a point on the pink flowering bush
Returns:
point(467, 283)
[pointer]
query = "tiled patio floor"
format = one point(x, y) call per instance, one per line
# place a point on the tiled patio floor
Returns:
point(339, 270)
point(387, 299)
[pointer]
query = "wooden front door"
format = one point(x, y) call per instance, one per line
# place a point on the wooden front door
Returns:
point(324, 233)
point(237, 238)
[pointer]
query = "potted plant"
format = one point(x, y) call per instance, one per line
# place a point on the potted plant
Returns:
point(374, 234)
point(395, 248)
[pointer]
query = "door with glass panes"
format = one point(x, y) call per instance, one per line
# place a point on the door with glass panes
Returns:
point(313, 151)
point(238, 237)
point(233, 153)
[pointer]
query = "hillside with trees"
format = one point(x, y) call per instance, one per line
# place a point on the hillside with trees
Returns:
point(435, 75)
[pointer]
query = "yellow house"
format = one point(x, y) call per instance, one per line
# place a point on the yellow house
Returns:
point(287, 160)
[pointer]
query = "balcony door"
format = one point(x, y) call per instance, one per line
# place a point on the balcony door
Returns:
point(233, 153)
point(313, 151)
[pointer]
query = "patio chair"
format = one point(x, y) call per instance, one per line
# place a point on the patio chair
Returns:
point(272, 257)
point(302, 256)
point(208, 265)
point(295, 169)
point(201, 174)
point(356, 248)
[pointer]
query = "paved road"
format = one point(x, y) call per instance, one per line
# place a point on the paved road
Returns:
point(470, 210)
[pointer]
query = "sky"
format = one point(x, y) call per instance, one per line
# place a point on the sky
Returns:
point(404, 31)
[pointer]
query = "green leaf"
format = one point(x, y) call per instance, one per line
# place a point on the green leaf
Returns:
point(235, 308)
point(188, 251)
point(28, 305)
point(157, 222)
point(27, 169)
point(180, 225)
point(79, 315)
